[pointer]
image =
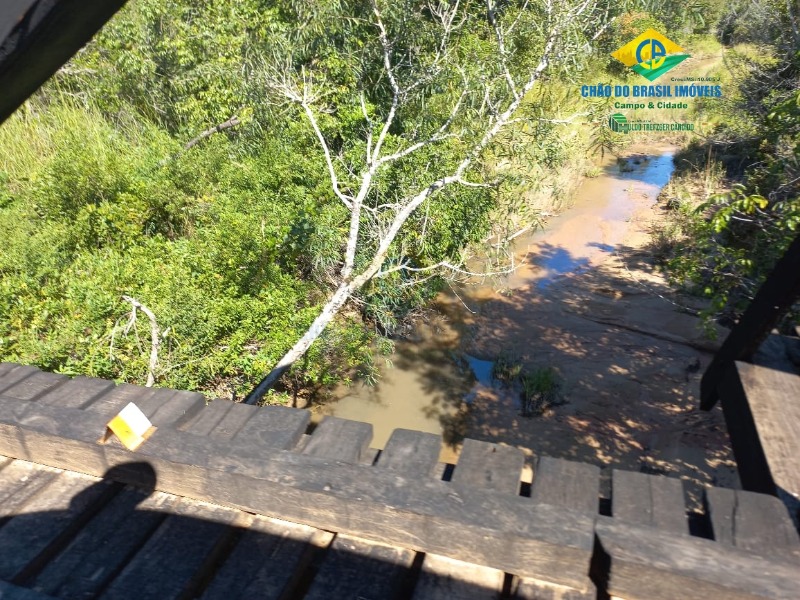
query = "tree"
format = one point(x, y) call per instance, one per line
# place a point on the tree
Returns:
point(450, 79)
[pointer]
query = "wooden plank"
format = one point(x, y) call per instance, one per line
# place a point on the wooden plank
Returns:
point(443, 578)
point(103, 547)
point(47, 523)
point(235, 418)
point(339, 439)
point(536, 589)
point(775, 296)
point(109, 404)
point(650, 500)
point(51, 436)
point(35, 385)
point(15, 375)
point(369, 456)
point(77, 392)
point(271, 428)
point(171, 408)
point(751, 462)
point(506, 532)
point(667, 566)
point(355, 568)
point(5, 367)
point(204, 422)
point(489, 467)
point(772, 397)
point(575, 486)
point(272, 555)
point(411, 453)
point(566, 483)
point(20, 482)
point(752, 521)
point(176, 554)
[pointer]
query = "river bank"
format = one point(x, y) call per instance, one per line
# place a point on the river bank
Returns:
point(588, 303)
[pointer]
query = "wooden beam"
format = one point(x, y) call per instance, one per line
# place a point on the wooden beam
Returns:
point(775, 296)
point(506, 532)
point(755, 522)
point(748, 447)
point(45, 37)
point(644, 566)
point(650, 500)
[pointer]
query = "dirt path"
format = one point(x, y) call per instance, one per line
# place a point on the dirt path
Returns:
point(627, 353)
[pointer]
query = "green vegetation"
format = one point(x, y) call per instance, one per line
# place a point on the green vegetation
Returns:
point(539, 387)
point(539, 391)
point(238, 241)
point(735, 191)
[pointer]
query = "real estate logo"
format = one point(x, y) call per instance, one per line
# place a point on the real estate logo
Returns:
point(651, 54)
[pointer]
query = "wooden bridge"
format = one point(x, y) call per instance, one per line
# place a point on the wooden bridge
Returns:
point(232, 501)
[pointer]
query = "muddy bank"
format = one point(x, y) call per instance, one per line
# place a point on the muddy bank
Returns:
point(629, 353)
point(588, 303)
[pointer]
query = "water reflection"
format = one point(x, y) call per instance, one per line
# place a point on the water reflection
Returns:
point(431, 378)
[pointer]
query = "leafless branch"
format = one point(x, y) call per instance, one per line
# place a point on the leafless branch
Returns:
point(155, 337)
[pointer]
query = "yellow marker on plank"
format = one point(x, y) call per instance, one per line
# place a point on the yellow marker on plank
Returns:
point(131, 426)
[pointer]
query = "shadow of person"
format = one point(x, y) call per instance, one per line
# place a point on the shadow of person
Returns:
point(71, 536)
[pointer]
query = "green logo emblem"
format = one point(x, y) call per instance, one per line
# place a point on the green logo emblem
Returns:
point(618, 123)
point(651, 54)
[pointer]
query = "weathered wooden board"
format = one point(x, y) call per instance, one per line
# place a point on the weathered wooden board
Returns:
point(15, 375)
point(21, 481)
point(772, 398)
point(271, 428)
point(221, 419)
point(778, 292)
point(269, 561)
point(534, 589)
point(77, 392)
point(752, 521)
point(566, 483)
point(109, 404)
point(204, 422)
point(170, 408)
point(49, 520)
point(504, 532)
point(339, 439)
point(174, 560)
point(34, 385)
point(411, 453)
point(668, 566)
point(103, 547)
point(443, 578)
point(5, 367)
point(489, 467)
point(355, 568)
point(235, 418)
point(575, 486)
point(650, 500)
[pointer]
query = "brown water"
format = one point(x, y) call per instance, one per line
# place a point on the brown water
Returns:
point(410, 392)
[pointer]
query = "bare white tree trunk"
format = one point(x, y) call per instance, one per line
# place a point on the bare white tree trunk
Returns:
point(303, 344)
point(498, 111)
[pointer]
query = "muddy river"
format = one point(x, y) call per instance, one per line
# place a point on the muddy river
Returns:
point(431, 375)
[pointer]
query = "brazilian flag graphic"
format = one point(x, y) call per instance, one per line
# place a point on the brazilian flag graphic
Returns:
point(651, 54)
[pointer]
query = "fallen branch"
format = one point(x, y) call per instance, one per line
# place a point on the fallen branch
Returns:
point(232, 122)
point(155, 338)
